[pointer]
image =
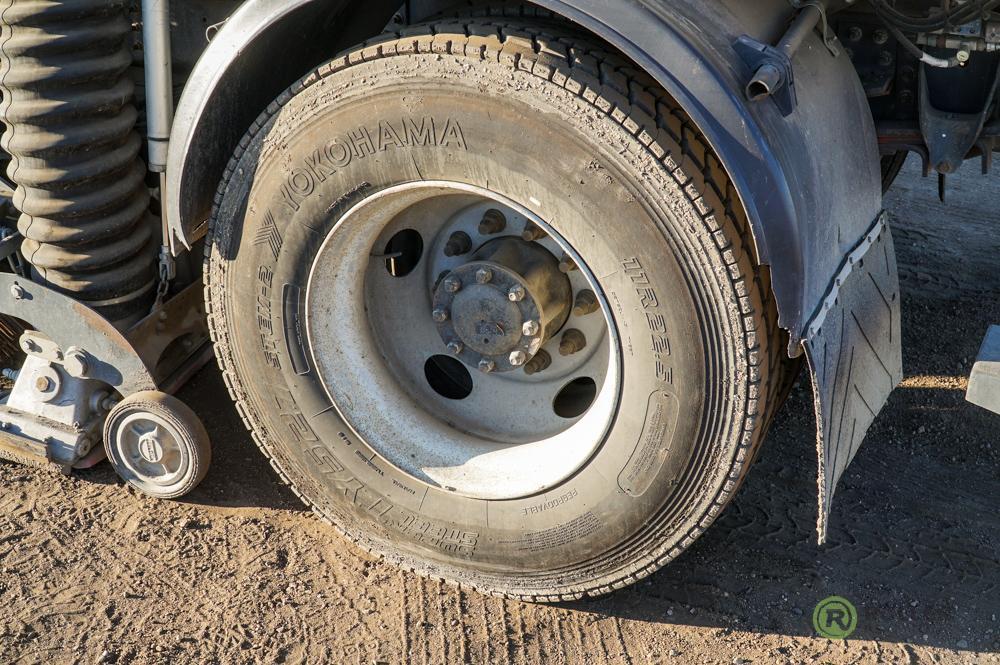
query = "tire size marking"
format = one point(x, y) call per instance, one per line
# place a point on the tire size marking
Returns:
point(291, 416)
point(656, 322)
point(265, 324)
point(653, 446)
point(451, 541)
point(362, 142)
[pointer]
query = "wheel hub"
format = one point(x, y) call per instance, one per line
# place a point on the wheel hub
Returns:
point(151, 448)
point(496, 311)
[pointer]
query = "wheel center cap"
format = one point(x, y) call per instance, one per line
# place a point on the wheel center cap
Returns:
point(496, 311)
point(486, 321)
point(150, 448)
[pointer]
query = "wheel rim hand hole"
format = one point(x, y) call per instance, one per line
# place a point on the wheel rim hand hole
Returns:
point(448, 377)
point(403, 252)
point(575, 398)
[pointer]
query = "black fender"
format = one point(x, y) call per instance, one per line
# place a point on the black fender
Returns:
point(810, 182)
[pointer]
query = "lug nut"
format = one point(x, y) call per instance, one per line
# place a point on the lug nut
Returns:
point(586, 303)
point(493, 222)
point(518, 358)
point(567, 264)
point(532, 232)
point(484, 275)
point(530, 328)
point(572, 342)
point(455, 348)
point(539, 363)
point(452, 285)
point(486, 366)
point(459, 243)
point(516, 293)
point(440, 315)
point(880, 36)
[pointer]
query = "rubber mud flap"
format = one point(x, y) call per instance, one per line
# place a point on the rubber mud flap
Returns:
point(855, 357)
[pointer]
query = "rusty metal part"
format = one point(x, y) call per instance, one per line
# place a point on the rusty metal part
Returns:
point(539, 363)
point(493, 222)
point(573, 341)
point(586, 303)
point(169, 338)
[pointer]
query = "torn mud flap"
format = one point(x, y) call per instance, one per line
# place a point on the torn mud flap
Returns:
point(855, 357)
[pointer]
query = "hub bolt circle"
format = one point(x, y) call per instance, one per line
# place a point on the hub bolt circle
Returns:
point(586, 303)
point(538, 363)
point(493, 222)
point(573, 341)
point(484, 275)
point(486, 366)
point(459, 243)
point(518, 358)
point(516, 293)
point(530, 328)
point(440, 315)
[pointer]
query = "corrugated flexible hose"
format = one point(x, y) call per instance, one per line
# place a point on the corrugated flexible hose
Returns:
point(67, 104)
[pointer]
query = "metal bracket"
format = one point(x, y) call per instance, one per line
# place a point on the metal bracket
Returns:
point(829, 37)
point(951, 136)
point(773, 75)
point(69, 323)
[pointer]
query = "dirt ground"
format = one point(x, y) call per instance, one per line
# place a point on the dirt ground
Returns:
point(239, 572)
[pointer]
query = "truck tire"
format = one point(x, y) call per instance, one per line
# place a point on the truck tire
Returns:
point(428, 178)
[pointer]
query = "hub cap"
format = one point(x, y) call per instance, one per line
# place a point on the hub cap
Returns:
point(502, 305)
point(463, 339)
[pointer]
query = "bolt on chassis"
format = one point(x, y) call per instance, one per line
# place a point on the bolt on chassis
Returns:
point(508, 292)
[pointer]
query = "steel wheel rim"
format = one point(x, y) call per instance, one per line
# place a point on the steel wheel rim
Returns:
point(372, 336)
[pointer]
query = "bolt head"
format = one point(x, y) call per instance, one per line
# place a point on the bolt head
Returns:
point(17, 291)
point(440, 315)
point(452, 285)
point(484, 275)
point(530, 328)
point(518, 358)
point(455, 348)
point(516, 293)
point(43, 384)
point(486, 366)
point(567, 264)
